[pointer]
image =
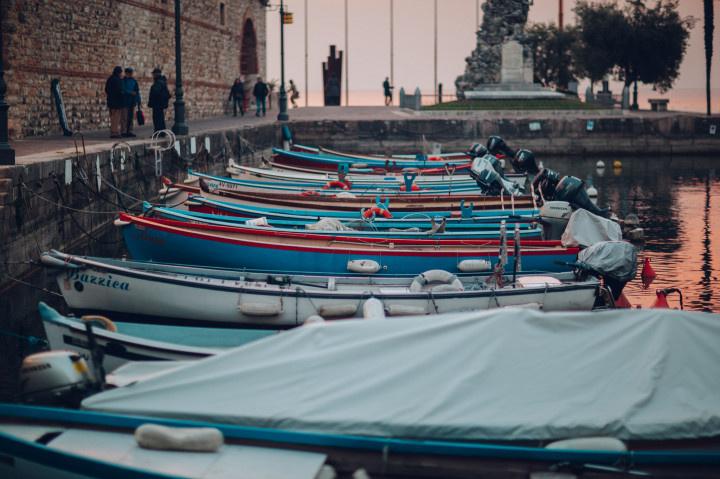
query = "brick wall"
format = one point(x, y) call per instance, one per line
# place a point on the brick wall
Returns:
point(79, 42)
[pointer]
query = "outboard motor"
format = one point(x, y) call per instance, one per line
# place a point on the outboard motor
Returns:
point(554, 216)
point(572, 190)
point(477, 150)
point(614, 261)
point(55, 378)
point(488, 174)
point(497, 146)
point(545, 183)
point(524, 162)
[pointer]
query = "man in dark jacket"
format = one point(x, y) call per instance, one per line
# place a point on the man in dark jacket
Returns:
point(131, 95)
point(260, 92)
point(115, 102)
point(237, 97)
point(158, 99)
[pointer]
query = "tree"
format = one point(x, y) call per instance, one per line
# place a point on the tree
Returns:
point(639, 43)
point(601, 29)
point(709, 28)
point(552, 54)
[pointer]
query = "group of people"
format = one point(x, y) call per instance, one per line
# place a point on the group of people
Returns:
point(124, 101)
point(260, 91)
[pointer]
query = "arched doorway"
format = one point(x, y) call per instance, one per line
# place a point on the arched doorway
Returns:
point(248, 50)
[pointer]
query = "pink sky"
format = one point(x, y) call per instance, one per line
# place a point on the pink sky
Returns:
point(369, 42)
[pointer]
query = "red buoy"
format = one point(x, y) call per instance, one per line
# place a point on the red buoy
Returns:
point(648, 273)
point(622, 302)
point(660, 300)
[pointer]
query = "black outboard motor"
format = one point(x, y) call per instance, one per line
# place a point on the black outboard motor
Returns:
point(489, 182)
point(497, 146)
point(546, 182)
point(477, 150)
point(572, 190)
point(524, 162)
point(488, 174)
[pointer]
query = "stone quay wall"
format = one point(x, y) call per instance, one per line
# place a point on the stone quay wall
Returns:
point(79, 43)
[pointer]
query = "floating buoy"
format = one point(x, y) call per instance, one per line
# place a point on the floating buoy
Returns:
point(660, 300)
point(648, 273)
point(592, 192)
point(622, 302)
point(617, 164)
point(600, 164)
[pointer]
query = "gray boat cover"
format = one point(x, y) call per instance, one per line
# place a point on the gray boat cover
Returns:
point(501, 375)
point(586, 229)
point(614, 259)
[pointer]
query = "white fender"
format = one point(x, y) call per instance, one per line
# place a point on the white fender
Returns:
point(313, 320)
point(474, 265)
point(436, 276)
point(262, 221)
point(405, 310)
point(197, 439)
point(365, 266)
point(259, 309)
point(346, 310)
point(345, 194)
point(359, 165)
point(373, 309)
point(120, 223)
point(599, 443)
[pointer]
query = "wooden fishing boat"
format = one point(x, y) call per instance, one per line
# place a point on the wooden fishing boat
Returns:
point(467, 218)
point(377, 395)
point(320, 161)
point(235, 247)
point(165, 294)
point(320, 189)
point(356, 229)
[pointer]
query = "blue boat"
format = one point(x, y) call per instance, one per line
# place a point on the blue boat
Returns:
point(357, 229)
point(327, 161)
point(234, 247)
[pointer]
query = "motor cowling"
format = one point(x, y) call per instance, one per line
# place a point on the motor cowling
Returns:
point(488, 174)
point(55, 378)
point(497, 146)
point(572, 190)
point(477, 150)
point(524, 162)
point(545, 183)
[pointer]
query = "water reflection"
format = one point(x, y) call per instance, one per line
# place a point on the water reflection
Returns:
point(678, 203)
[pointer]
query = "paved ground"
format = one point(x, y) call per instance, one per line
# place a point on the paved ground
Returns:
point(57, 146)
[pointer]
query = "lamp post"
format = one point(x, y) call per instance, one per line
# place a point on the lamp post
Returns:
point(180, 127)
point(7, 154)
point(282, 95)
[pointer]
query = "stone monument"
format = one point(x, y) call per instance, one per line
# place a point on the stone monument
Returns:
point(501, 66)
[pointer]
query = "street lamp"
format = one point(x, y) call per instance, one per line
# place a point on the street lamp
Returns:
point(7, 154)
point(282, 95)
point(180, 127)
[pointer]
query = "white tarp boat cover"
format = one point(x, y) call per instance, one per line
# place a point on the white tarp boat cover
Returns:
point(501, 375)
point(586, 229)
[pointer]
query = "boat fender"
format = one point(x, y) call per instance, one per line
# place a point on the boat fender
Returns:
point(414, 187)
point(337, 310)
point(313, 320)
point(262, 221)
point(196, 439)
point(103, 321)
point(436, 276)
point(345, 194)
point(365, 266)
point(474, 265)
point(405, 310)
point(376, 211)
point(359, 165)
point(259, 309)
point(373, 309)
point(599, 443)
point(310, 193)
point(336, 184)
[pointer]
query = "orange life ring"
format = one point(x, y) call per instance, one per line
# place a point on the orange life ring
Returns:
point(337, 184)
point(376, 211)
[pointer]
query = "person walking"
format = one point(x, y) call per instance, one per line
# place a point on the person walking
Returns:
point(237, 97)
point(158, 99)
point(131, 99)
point(387, 88)
point(294, 94)
point(260, 91)
point(115, 101)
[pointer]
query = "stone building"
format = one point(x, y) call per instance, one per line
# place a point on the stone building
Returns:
point(80, 41)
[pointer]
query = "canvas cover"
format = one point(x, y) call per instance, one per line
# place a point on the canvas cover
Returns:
point(614, 259)
point(586, 229)
point(500, 375)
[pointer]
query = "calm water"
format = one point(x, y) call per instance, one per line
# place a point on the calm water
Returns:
point(678, 203)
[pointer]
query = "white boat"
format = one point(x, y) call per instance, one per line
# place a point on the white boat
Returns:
point(152, 292)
